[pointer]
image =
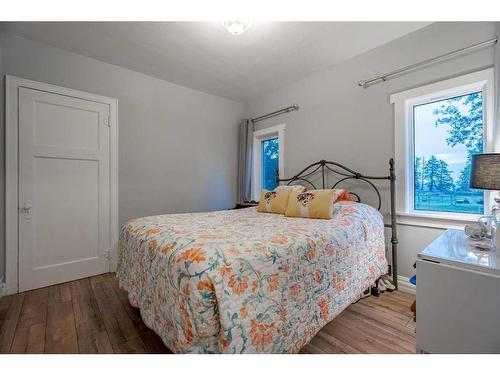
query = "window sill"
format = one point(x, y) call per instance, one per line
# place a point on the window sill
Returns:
point(439, 221)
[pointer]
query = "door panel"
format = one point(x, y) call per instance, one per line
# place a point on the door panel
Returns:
point(60, 187)
point(64, 188)
point(59, 125)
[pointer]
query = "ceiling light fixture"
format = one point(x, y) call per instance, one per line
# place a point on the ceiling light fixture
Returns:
point(236, 27)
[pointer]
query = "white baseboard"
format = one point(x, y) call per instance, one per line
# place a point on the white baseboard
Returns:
point(404, 285)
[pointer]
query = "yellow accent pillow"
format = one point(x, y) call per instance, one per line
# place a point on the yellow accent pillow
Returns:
point(297, 188)
point(314, 204)
point(273, 201)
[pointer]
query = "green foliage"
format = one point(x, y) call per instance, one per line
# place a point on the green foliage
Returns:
point(444, 178)
point(271, 148)
point(463, 183)
point(437, 175)
point(465, 128)
point(418, 173)
point(270, 159)
point(430, 173)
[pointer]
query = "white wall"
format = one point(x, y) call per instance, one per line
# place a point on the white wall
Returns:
point(177, 146)
point(340, 121)
point(2, 165)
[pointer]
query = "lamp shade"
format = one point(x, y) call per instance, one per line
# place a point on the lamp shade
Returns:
point(485, 172)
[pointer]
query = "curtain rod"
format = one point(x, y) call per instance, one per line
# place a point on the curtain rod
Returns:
point(294, 107)
point(409, 68)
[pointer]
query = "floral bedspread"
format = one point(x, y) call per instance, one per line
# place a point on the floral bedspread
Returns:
point(239, 281)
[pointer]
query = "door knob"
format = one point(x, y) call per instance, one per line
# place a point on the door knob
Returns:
point(28, 205)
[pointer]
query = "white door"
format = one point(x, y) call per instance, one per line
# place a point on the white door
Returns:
point(64, 188)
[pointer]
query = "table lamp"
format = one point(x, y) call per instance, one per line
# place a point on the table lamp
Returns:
point(485, 175)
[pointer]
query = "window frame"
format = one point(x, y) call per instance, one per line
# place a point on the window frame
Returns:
point(277, 131)
point(404, 102)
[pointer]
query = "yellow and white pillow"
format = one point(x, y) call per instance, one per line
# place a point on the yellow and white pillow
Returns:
point(314, 204)
point(297, 188)
point(273, 201)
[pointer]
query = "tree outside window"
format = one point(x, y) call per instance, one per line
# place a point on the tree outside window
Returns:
point(270, 163)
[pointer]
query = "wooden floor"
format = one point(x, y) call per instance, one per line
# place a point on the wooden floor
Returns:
point(93, 316)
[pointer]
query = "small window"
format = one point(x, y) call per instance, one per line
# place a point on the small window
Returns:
point(270, 163)
point(438, 127)
point(268, 158)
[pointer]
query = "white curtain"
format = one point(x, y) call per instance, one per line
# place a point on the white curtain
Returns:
point(245, 156)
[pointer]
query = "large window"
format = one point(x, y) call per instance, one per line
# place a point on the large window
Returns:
point(438, 129)
point(268, 156)
point(446, 134)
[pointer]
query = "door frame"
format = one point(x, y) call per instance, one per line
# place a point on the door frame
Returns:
point(12, 85)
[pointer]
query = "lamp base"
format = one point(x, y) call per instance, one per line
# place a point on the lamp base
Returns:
point(497, 199)
point(484, 245)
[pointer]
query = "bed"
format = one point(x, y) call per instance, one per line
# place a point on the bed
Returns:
point(239, 281)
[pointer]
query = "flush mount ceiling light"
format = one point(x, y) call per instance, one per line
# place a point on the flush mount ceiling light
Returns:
point(236, 27)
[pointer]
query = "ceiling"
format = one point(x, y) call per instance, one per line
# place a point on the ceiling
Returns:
point(204, 56)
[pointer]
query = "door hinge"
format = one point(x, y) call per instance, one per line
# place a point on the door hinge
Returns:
point(107, 121)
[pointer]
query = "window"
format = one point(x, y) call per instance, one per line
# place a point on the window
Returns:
point(270, 163)
point(268, 152)
point(446, 134)
point(438, 129)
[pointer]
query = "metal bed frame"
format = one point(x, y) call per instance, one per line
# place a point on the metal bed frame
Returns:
point(346, 173)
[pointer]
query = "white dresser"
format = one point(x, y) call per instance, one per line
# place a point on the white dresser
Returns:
point(458, 297)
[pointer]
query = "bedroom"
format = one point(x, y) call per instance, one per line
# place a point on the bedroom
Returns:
point(136, 230)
